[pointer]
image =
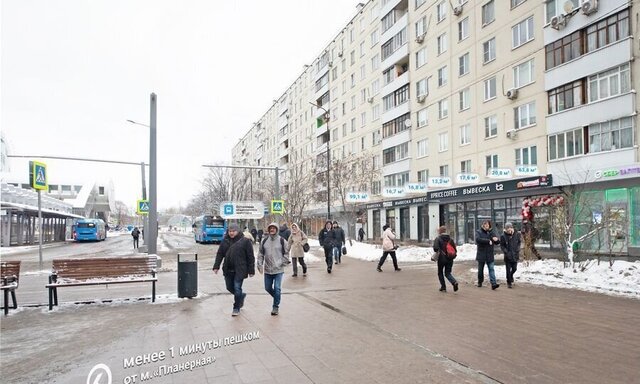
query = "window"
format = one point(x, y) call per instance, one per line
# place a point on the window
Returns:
point(353, 125)
point(400, 96)
point(353, 57)
point(353, 80)
point(463, 64)
point(375, 62)
point(442, 43)
point(443, 141)
point(463, 29)
point(363, 119)
point(422, 118)
point(422, 87)
point(375, 112)
point(100, 190)
point(388, 75)
point(351, 36)
point(334, 136)
point(610, 83)
point(443, 109)
point(388, 20)
point(491, 161)
point(363, 71)
point(376, 139)
point(344, 86)
point(344, 129)
point(394, 43)
point(488, 13)
point(490, 126)
point(421, 57)
point(376, 187)
point(465, 99)
point(375, 36)
point(395, 126)
point(515, 3)
point(334, 74)
point(441, 11)
point(566, 49)
point(421, 27)
point(525, 115)
point(397, 153)
point(490, 89)
point(396, 180)
point(465, 166)
point(522, 32)
point(527, 156)
point(444, 171)
point(420, 2)
point(375, 87)
point(556, 7)
point(489, 50)
point(442, 76)
point(344, 108)
point(565, 97)
point(353, 102)
point(608, 31)
point(362, 48)
point(423, 176)
point(523, 74)
point(611, 135)
point(465, 134)
point(422, 148)
point(566, 144)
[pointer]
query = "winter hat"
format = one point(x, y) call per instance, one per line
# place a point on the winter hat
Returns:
point(273, 225)
point(508, 225)
point(234, 227)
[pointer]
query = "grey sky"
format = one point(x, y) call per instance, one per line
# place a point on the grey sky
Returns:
point(73, 71)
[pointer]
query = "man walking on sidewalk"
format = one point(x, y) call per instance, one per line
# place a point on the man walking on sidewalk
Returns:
point(272, 257)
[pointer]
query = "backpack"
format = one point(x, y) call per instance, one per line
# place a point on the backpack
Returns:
point(450, 250)
point(267, 238)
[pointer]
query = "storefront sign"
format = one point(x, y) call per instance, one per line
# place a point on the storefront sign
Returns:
point(499, 173)
point(357, 197)
point(393, 191)
point(526, 170)
point(615, 173)
point(439, 182)
point(467, 178)
point(397, 203)
point(486, 189)
point(415, 188)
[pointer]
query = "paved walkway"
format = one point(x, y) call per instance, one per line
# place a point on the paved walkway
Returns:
point(353, 326)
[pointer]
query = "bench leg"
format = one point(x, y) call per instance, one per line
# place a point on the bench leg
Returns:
point(13, 297)
point(50, 298)
point(153, 292)
point(55, 296)
point(6, 301)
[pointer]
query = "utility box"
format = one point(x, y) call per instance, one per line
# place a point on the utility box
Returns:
point(188, 276)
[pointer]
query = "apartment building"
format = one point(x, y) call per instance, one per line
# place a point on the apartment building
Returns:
point(458, 104)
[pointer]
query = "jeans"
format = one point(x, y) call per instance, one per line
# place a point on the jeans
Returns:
point(384, 257)
point(234, 286)
point(295, 265)
point(492, 273)
point(337, 253)
point(273, 286)
point(511, 267)
point(446, 268)
point(328, 257)
point(135, 242)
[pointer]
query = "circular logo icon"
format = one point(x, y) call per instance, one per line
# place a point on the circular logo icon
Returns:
point(598, 174)
point(99, 374)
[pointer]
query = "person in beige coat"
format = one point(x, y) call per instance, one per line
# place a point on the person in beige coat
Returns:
point(388, 248)
point(296, 242)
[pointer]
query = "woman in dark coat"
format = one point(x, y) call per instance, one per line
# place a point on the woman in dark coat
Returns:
point(445, 263)
point(486, 239)
point(510, 243)
point(327, 239)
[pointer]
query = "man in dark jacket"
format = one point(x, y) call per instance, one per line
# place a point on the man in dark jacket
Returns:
point(339, 242)
point(254, 233)
point(284, 232)
point(510, 243)
point(239, 263)
point(445, 263)
point(136, 235)
point(326, 239)
point(360, 234)
point(486, 239)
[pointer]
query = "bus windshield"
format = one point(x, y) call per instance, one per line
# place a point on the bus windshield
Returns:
point(213, 222)
point(86, 225)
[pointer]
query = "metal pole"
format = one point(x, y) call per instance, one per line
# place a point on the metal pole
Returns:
point(39, 230)
point(328, 171)
point(144, 197)
point(277, 192)
point(153, 167)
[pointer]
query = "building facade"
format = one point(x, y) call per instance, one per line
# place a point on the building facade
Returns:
point(464, 109)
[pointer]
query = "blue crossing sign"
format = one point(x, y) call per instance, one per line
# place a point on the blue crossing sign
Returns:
point(277, 206)
point(142, 207)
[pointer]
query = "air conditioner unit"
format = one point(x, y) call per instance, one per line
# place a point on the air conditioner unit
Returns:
point(422, 98)
point(512, 94)
point(420, 39)
point(589, 6)
point(370, 99)
point(557, 22)
point(340, 53)
point(457, 10)
point(512, 134)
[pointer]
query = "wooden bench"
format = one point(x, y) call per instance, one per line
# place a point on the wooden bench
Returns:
point(101, 271)
point(10, 277)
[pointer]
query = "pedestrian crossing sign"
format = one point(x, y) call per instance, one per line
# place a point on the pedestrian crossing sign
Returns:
point(38, 175)
point(277, 206)
point(142, 208)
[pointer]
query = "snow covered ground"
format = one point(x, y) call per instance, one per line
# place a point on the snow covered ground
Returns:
point(622, 279)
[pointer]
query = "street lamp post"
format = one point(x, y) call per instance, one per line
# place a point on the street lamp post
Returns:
point(327, 116)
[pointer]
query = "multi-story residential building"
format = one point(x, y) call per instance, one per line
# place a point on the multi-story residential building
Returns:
point(464, 108)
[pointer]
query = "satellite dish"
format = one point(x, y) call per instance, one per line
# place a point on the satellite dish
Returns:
point(407, 123)
point(568, 6)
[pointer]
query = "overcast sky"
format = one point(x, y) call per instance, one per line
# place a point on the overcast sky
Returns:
point(73, 72)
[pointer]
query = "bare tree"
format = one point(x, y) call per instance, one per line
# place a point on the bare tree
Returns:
point(215, 190)
point(300, 185)
point(123, 214)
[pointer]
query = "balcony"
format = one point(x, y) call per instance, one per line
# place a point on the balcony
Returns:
point(599, 60)
point(395, 112)
point(397, 167)
point(321, 149)
point(284, 106)
point(580, 20)
point(582, 169)
point(401, 23)
point(283, 137)
point(396, 56)
point(283, 121)
point(391, 4)
point(608, 109)
point(321, 71)
point(396, 139)
point(321, 130)
point(318, 94)
point(395, 84)
point(320, 112)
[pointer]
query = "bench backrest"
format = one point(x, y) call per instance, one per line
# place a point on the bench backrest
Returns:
point(9, 269)
point(103, 267)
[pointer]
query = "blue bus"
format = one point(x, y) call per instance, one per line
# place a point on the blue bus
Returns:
point(209, 229)
point(89, 229)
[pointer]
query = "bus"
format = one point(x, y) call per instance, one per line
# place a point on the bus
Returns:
point(209, 229)
point(89, 229)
